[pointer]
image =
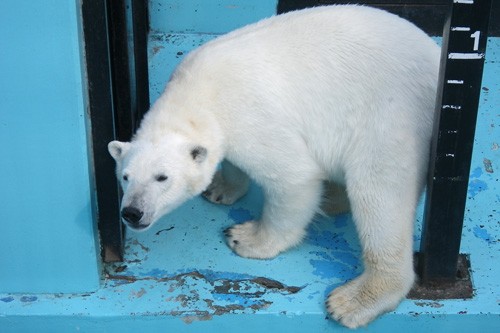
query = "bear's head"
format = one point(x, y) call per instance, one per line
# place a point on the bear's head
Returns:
point(156, 177)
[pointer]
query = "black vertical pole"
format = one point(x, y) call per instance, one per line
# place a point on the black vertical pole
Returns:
point(462, 60)
point(120, 70)
point(115, 104)
point(129, 69)
point(100, 109)
point(140, 27)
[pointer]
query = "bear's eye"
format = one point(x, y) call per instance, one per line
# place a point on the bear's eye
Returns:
point(161, 178)
point(125, 177)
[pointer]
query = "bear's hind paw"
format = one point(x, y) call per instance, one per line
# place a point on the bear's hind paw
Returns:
point(223, 192)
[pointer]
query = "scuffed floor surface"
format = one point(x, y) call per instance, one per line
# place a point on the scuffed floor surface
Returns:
point(181, 277)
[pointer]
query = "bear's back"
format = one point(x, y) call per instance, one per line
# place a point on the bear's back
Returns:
point(326, 76)
point(331, 51)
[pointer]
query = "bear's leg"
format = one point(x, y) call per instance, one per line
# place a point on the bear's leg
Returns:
point(228, 185)
point(286, 213)
point(334, 199)
point(383, 213)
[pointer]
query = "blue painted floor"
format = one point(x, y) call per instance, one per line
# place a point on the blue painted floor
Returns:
point(181, 277)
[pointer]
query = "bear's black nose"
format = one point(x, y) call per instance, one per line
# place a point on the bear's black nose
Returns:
point(132, 215)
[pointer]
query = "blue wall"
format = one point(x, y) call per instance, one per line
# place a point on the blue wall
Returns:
point(179, 26)
point(47, 232)
point(202, 16)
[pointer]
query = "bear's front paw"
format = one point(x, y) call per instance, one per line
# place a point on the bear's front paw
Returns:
point(360, 301)
point(249, 240)
point(223, 192)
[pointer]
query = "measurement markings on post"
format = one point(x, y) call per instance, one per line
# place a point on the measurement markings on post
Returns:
point(454, 107)
point(462, 60)
point(466, 56)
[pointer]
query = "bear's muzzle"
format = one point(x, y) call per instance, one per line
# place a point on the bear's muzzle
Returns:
point(133, 217)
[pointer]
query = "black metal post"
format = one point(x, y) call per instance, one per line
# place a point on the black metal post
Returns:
point(462, 60)
point(127, 82)
point(100, 109)
point(120, 70)
point(129, 56)
point(429, 15)
point(140, 27)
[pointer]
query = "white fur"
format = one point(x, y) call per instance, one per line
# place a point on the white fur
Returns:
point(341, 93)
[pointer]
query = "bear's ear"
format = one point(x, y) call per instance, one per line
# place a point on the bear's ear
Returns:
point(199, 153)
point(117, 149)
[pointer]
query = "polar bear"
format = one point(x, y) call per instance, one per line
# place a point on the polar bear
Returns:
point(343, 94)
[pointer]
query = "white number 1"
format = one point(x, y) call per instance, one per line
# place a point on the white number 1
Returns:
point(476, 39)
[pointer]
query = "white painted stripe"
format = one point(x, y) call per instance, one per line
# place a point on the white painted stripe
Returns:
point(453, 107)
point(465, 56)
point(455, 81)
point(460, 29)
point(467, 2)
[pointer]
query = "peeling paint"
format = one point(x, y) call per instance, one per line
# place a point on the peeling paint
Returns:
point(476, 173)
point(136, 242)
point(434, 305)
point(327, 269)
point(227, 292)
point(120, 269)
point(488, 167)
point(475, 184)
point(240, 215)
point(139, 293)
point(482, 233)
point(28, 299)
point(335, 257)
point(188, 319)
point(156, 49)
point(328, 240)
